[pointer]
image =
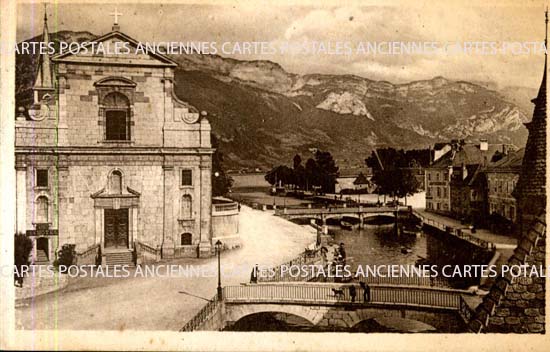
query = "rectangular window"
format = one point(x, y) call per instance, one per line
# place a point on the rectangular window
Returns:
point(42, 178)
point(186, 178)
point(429, 176)
point(115, 126)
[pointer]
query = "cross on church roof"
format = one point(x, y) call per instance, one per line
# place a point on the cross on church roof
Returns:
point(115, 14)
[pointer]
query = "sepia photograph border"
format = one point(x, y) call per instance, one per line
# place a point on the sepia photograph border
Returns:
point(13, 339)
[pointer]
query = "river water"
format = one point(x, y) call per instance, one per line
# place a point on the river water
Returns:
point(379, 245)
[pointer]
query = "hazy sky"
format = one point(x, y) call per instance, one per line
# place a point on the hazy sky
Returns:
point(243, 22)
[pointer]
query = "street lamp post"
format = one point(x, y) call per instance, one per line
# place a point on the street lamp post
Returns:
point(218, 249)
point(318, 241)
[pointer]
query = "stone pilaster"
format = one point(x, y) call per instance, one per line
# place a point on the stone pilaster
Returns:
point(21, 194)
point(168, 211)
point(205, 245)
point(205, 132)
point(60, 193)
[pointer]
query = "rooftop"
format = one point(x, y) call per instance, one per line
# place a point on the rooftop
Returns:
point(468, 154)
point(510, 162)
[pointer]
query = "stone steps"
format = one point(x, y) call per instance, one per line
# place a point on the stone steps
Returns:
point(119, 258)
point(41, 256)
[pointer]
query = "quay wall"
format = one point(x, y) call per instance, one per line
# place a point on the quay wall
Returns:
point(446, 249)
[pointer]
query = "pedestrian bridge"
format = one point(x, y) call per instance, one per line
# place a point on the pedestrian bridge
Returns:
point(360, 213)
point(443, 309)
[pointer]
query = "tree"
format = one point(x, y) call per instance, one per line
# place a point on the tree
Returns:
point(392, 158)
point(280, 175)
point(327, 171)
point(311, 174)
point(221, 182)
point(22, 250)
point(407, 184)
point(395, 182)
point(299, 172)
point(319, 172)
point(296, 161)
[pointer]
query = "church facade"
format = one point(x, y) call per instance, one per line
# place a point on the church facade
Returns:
point(110, 160)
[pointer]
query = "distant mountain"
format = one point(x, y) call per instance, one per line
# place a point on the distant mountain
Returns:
point(264, 115)
point(521, 96)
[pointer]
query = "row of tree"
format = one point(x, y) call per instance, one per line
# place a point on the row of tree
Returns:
point(393, 172)
point(319, 172)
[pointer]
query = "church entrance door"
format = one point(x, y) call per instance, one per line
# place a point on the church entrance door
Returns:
point(116, 228)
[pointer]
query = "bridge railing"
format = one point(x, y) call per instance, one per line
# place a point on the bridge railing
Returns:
point(203, 315)
point(456, 232)
point(337, 210)
point(412, 280)
point(333, 294)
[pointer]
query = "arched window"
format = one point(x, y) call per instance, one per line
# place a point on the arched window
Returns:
point(115, 182)
point(186, 239)
point(41, 210)
point(117, 117)
point(186, 207)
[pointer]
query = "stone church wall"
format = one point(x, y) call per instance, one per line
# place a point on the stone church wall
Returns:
point(78, 103)
point(66, 133)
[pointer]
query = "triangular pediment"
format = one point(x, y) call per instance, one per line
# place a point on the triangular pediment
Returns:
point(103, 193)
point(115, 48)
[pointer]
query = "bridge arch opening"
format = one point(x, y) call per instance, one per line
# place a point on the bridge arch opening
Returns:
point(271, 321)
point(306, 220)
point(347, 217)
point(379, 219)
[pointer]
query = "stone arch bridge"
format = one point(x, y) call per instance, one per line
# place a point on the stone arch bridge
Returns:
point(443, 309)
point(360, 213)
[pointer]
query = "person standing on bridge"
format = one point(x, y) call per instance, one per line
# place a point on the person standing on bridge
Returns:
point(366, 291)
point(352, 293)
point(254, 275)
